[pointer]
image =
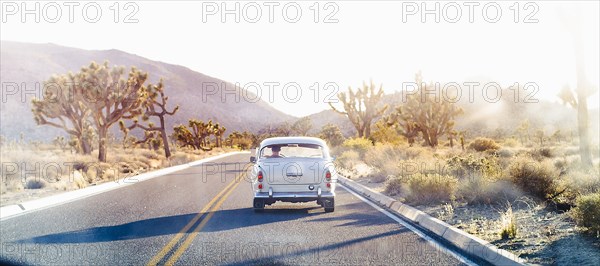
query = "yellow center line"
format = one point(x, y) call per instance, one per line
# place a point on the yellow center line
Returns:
point(161, 254)
point(188, 241)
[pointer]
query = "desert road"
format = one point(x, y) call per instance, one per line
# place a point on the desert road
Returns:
point(203, 215)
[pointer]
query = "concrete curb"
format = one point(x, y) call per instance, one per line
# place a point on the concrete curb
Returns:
point(10, 211)
point(469, 244)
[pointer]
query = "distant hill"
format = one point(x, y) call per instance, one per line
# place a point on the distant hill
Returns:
point(325, 117)
point(26, 65)
point(29, 64)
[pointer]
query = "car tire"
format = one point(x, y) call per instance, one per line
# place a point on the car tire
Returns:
point(329, 205)
point(259, 205)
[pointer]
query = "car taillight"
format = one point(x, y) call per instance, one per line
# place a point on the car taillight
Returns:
point(259, 186)
point(260, 176)
point(328, 179)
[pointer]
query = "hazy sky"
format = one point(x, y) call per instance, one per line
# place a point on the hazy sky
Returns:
point(383, 41)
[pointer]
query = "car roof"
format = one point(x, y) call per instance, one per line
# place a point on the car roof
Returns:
point(299, 140)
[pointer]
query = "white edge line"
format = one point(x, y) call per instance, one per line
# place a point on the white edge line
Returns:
point(11, 211)
point(432, 242)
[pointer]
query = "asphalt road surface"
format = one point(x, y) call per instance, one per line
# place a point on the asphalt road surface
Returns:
point(203, 215)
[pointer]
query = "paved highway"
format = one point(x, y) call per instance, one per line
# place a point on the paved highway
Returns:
point(203, 215)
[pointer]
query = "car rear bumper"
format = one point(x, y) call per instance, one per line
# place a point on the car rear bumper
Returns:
point(294, 196)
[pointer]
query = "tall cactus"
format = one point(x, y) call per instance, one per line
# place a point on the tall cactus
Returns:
point(360, 107)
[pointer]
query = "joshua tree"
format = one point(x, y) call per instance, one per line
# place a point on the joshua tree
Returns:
point(540, 135)
point(154, 105)
point(62, 107)
point(60, 142)
point(184, 137)
point(110, 97)
point(196, 136)
point(219, 131)
point(523, 131)
point(242, 140)
point(361, 107)
point(285, 129)
point(432, 117)
point(332, 134)
point(451, 137)
point(584, 89)
point(302, 126)
point(407, 128)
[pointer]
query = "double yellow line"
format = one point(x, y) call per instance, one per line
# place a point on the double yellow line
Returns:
point(219, 199)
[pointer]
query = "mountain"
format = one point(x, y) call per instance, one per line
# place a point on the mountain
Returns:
point(325, 117)
point(25, 66)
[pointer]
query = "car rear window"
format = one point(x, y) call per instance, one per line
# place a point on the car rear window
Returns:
point(292, 150)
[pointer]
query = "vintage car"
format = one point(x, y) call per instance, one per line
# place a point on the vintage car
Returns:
point(293, 169)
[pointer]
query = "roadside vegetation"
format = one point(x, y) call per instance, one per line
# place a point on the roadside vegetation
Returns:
point(523, 189)
point(114, 128)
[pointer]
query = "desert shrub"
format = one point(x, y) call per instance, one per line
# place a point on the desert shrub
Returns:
point(587, 212)
point(561, 164)
point(481, 190)
point(79, 180)
point(394, 187)
point(505, 153)
point(361, 145)
point(79, 165)
point(510, 142)
point(484, 144)
point(470, 166)
point(179, 158)
point(35, 183)
point(508, 228)
point(541, 153)
point(379, 177)
point(414, 152)
point(386, 159)
point(538, 179)
point(381, 155)
point(577, 182)
point(150, 154)
point(348, 159)
point(431, 188)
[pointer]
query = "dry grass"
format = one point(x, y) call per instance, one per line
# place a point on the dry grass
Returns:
point(508, 229)
point(431, 188)
point(53, 169)
point(479, 190)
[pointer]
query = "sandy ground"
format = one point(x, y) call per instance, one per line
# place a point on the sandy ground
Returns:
point(543, 236)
